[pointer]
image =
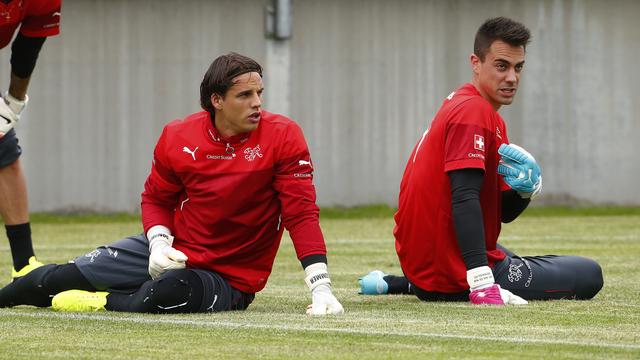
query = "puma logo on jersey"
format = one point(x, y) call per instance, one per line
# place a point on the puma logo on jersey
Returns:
point(304, 162)
point(188, 151)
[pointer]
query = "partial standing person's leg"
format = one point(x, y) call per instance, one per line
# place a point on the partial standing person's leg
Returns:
point(14, 207)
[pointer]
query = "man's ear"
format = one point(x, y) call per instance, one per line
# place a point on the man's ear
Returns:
point(475, 63)
point(216, 101)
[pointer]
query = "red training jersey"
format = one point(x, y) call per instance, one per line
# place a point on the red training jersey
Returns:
point(465, 133)
point(39, 18)
point(226, 201)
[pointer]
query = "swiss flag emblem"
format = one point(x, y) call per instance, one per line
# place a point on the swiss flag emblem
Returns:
point(478, 142)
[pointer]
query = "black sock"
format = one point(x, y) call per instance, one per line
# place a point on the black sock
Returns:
point(398, 284)
point(20, 243)
point(40, 285)
point(28, 289)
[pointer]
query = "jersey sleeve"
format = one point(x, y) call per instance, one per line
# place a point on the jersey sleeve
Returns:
point(42, 19)
point(466, 137)
point(161, 189)
point(294, 184)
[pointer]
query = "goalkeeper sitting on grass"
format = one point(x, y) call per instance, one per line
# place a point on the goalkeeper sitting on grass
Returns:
point(462, 181)
point(224, 184)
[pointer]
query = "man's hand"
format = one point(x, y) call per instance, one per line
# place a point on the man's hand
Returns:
point(163, 256)
point(10, 109)
point(8, 118)
point(484, 290)
point(510, 298)
point(17, 106)
point(520, 170)
point(323, 300)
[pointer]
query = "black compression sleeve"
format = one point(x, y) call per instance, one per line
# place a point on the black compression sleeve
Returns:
point(512, 205)
point(312, 259)
point(467, 215)
point(24, 53)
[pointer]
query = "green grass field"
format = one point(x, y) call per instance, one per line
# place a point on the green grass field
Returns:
point(377, 327)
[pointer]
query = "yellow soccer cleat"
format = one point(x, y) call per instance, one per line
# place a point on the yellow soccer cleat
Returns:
point(33, 264)
point(80, 301)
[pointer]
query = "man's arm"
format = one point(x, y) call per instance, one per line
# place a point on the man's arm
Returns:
point(293, 182)
point(468, 222)
point(512, 205)
point(24, 54)
point(467, 215)
point(160, 197)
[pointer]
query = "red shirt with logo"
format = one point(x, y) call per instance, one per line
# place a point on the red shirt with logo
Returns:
point(227, 201)
point(39, 18)
point(465, 133)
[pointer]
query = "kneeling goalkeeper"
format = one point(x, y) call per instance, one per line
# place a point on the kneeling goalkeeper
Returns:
point(224, 184)
point(461, 182)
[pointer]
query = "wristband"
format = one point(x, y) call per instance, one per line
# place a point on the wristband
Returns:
point(317, 274)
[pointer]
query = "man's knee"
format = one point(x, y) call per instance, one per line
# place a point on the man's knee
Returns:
point(589, 279)
point(177, 291)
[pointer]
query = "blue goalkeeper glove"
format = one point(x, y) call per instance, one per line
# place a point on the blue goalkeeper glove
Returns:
point(520, 170)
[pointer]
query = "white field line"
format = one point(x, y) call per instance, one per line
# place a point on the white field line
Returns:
point(233, 325)
point(573, 237)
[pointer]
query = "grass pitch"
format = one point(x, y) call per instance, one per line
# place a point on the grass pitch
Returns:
point(393, 327)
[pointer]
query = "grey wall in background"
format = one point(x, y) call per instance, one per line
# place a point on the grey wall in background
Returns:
point(364, 80)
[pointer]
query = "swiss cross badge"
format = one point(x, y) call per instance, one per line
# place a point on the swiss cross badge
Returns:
point(478, 142)
point(250, 154)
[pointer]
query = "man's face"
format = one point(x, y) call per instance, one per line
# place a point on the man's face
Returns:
point(497, 77)
point(238, 111)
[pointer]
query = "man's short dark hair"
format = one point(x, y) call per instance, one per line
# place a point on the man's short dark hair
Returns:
point(219, 78)
point(500, 28)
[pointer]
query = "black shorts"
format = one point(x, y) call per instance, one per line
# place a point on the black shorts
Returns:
point(9, 149)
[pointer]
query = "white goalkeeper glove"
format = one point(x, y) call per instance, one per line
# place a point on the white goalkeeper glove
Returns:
point(163, 256)
point(323, 300)
point(17, 106)
point(10, 109)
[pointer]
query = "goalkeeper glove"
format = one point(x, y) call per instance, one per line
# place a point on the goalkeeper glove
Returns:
point(484, 290)
point(520, 170)
point(163, 256)
point(323, 300)
point(10, 109)
point(17, 106)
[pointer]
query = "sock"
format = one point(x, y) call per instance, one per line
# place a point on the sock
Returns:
point(28, 290)
point(20, 243)
point(398, 284)
point(40, 285)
